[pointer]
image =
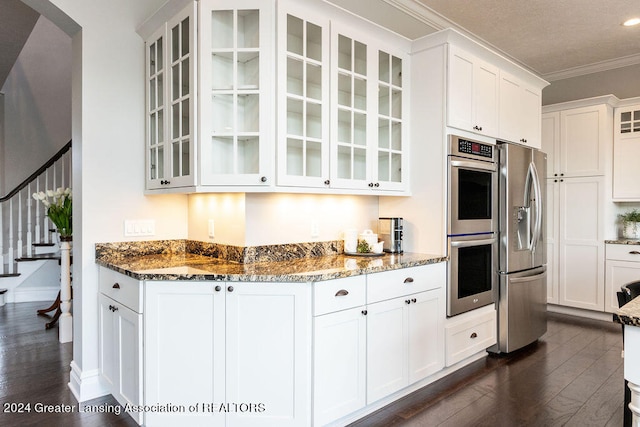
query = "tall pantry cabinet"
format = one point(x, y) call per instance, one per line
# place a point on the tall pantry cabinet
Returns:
point(577, 137)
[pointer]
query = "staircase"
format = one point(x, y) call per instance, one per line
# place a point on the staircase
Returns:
point(29, 247)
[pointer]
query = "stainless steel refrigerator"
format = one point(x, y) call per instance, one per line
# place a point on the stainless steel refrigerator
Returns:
point(522, 258)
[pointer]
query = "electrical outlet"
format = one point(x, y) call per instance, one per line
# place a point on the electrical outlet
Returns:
point(211, 229)
point(315, 229)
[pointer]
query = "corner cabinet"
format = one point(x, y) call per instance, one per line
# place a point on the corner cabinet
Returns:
point(223, 76)
point(171, 57)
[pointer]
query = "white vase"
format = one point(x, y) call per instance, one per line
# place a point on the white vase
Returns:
point(631, 230)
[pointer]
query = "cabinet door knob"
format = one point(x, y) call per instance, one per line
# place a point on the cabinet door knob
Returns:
point(407, 301)
point(364, 312)
point(113, 308)
point(371, 184)
point(523, 140)
point(473, 335)
point(634, 253)
point(327, 182)
point(116, 285)
point(342, 293)
point(165, 182)
point(218, 288)
point(377, 184)
point(408, 280)
point(263, 179)
point(230, 288)
point(414, 300)
point(477, 127)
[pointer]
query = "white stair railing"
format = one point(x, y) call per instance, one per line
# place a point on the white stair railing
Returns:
point(22, 226)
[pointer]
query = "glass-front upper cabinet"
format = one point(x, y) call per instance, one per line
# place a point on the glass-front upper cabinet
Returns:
point(236, 131)
point(303, 108)
point(367, 126)
point(170, 65)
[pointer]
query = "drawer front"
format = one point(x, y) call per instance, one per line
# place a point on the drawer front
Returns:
point(338, 294)
point(405, 281)
point(123, 289)
point(623, 252)
point(468, 337)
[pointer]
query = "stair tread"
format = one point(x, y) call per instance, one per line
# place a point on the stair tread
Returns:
point(38, 257)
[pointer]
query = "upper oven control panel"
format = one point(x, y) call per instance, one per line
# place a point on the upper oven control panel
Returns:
point(470, 148)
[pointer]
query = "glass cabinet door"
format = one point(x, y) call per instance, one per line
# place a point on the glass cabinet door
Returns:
point(350, 159)
point(303, 146)
point(170, 102)
point(234, 110)
point(390, 155)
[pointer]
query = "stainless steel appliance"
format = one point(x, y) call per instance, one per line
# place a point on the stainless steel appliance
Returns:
point(472, 224)
point(522, 276)
point(390, 232)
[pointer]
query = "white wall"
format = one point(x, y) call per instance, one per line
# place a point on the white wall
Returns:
point(108, 153)
point(267, 219)
point(37, 103)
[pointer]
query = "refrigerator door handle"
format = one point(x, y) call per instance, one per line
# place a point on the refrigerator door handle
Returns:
point(529, 278)
point(538, 195)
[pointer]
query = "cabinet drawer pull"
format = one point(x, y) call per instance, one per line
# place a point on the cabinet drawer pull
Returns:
point(116, 285)
point(634, 253)
point(342, 293)
point(408, 280)
point(473, 335)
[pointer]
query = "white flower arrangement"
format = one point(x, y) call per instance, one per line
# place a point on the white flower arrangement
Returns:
point(59, 208)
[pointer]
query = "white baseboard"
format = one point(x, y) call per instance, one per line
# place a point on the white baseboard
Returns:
point(86, 385)
point(21, 294)
point(579, 312)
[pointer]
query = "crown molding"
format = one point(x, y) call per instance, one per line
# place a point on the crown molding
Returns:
point(593, 68)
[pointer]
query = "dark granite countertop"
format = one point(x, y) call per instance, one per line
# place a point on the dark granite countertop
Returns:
point(629, 314)
point(188, 266)
point(623, 241)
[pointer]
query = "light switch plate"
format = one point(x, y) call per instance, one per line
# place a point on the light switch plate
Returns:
point(139, 227)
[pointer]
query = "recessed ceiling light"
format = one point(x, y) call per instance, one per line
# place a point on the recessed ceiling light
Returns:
point(631, 22)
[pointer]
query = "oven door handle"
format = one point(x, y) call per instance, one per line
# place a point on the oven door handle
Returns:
point(491, 167)
point(466, 243)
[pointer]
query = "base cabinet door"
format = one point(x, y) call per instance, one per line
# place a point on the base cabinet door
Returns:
point(340, 362)
point(121, 353)
point(184, 353)
point(426, 335)
point(234, 354)
point(387, 335)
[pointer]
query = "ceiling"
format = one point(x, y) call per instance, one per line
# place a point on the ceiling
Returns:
point(555, 39)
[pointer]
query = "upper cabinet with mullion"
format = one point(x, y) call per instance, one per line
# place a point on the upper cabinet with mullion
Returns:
point(236, 91)
point(171, 58)
point(303, 100)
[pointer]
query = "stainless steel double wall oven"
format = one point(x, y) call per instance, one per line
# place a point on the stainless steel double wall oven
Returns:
point(472, 224)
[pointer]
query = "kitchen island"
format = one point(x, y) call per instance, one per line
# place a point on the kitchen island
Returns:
point(629, 316)
point(321, 339)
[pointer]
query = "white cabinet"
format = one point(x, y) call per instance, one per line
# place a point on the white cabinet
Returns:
point(469, 333)
point(622, 267)
point(576, 140)
point(236, 92)
point(234, 343)
point(405, 338)
point(472, 91)
point(171, 81)
point(303, 101)
point(626, 152)
point(340, 346)
point(120, 339)
point(577, 261)
point(340, 106)
point(520, 110)
point(576, 137)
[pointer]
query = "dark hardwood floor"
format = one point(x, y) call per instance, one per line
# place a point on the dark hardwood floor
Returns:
point(572, 376)
point(34, 370)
